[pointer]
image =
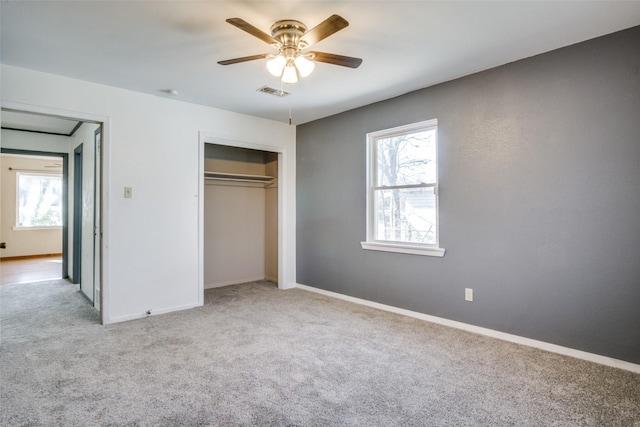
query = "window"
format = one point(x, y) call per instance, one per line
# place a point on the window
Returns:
point(402, 196)
point(39, 200)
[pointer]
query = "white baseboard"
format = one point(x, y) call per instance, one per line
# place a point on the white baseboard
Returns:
point(233, 282)
point(566, 351)
point(135, 316)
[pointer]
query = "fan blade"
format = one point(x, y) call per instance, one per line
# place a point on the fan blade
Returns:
point(332, 58)
point(329, 26)
point(256, 32)
point(244, 59)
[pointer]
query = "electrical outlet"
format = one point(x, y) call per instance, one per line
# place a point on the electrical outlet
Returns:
point(128, 192)
point(468, 294)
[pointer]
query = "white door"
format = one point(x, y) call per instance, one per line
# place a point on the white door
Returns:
point(97, 229)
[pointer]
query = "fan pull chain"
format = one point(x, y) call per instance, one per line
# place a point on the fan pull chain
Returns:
point(289, 95)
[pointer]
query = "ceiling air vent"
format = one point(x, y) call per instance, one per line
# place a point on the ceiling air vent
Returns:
point(272, 91)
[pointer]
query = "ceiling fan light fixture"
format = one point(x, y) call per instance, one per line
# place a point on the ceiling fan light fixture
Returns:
point(290, 74)
point(305, 67)
point(276, 65)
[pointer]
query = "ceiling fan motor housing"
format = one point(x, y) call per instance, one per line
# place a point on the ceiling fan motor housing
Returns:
point(288, 33)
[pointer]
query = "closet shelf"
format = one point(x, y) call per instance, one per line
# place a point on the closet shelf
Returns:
point(241, 177)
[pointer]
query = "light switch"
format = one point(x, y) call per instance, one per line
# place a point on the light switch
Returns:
point(128, 192)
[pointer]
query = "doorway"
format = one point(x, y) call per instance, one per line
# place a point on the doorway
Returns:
point(34, 223)
point(78, 140)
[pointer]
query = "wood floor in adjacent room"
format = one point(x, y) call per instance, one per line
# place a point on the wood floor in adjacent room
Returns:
point(30, 269)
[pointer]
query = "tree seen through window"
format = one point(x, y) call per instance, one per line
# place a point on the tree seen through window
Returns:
point(404, 192)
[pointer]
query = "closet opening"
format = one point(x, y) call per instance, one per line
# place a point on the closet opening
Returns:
point(240, 216)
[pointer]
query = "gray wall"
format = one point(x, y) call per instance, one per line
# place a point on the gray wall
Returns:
point(539, 200)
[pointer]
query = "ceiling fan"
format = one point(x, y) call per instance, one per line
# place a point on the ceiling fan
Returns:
point(291, 37)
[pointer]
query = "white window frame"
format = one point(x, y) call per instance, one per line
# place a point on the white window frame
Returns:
point(19, 227)
point(393, 246)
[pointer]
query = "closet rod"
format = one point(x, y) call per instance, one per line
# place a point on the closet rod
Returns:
point(238, 177)
point(257, 185)
point(54, 171)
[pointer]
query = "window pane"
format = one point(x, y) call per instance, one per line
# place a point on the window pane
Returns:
point(407, 159)
point(406, 215)
point(39, 200)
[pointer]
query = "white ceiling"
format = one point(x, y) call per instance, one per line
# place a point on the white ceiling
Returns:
point(151, 46)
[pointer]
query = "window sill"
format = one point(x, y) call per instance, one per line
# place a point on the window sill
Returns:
point(53, 227)
point(403, 248)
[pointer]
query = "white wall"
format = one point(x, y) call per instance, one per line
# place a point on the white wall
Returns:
point(152, 241)
point(23, 242)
